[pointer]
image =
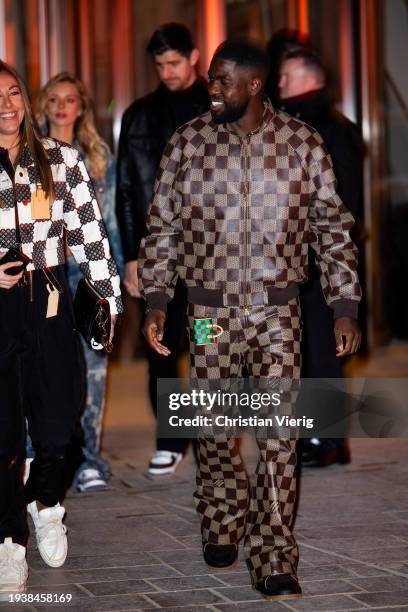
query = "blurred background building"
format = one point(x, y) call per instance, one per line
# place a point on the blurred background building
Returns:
point(363, 42)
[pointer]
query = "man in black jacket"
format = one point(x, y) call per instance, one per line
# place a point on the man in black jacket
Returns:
point(303, 94)
point(147, 126)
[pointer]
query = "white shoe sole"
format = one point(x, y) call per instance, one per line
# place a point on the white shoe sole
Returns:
point(50, 562)
point(5, 590)
point(53, 562)
point(12, 589)
point(164, 470)
point(96, 485)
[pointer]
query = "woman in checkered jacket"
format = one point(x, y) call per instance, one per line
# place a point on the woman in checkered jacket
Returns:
point(45, 192)
point(65, 112)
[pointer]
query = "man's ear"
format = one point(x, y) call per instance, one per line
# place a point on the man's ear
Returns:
point(194, 57)
point(255, 86)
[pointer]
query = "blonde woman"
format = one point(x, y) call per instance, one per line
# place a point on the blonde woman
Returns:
point(46, 198)
point(65, 113)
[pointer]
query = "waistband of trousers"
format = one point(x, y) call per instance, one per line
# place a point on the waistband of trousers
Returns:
point(218, 298)
point(52, 275)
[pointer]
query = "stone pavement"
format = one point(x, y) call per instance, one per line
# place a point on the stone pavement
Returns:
point(137, 546)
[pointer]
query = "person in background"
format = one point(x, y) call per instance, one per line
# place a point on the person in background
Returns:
point(147, 126)
point(65, 112)
point(45, 192)
point(282, 41)
point(303, 93)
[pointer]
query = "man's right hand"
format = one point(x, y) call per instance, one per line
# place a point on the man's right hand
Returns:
point(153, 331)
point(131, 282)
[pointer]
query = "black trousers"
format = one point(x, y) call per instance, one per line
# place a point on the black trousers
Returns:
point(318, 342)
point(166, 367)
point(41, 380)
point(318, 346)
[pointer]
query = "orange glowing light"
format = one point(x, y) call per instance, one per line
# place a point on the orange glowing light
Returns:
point(303, 13)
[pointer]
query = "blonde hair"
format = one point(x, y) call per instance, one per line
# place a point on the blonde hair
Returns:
point(30, 135)
point(96, 150)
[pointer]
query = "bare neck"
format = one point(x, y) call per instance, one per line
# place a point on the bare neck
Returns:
point(64, 133)
point(252, 118)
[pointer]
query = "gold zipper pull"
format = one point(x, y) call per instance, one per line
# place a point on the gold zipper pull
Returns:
point(246, 311)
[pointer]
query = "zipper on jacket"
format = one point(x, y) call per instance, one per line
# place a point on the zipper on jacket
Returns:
point(246, 218)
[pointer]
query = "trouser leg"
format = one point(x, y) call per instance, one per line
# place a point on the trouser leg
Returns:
point(96, 364)
point(53, 391)
point(167, 367)
point(92, 415)
point(221, 497)
point(319, 358)
point(13, 522)
point(270, 546)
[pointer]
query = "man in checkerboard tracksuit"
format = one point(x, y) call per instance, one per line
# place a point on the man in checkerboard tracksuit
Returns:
point(241, 192)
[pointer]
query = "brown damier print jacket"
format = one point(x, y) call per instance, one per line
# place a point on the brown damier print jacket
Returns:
point(233, 217)
point(74, 210)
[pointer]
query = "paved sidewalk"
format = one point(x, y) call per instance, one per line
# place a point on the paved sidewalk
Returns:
point(137, 546)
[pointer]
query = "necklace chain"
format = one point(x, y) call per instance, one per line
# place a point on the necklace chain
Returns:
point(14, 145)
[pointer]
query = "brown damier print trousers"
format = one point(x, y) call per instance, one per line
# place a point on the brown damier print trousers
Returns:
point(268, 342)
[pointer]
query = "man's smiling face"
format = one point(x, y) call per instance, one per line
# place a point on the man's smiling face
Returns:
point(229, 89)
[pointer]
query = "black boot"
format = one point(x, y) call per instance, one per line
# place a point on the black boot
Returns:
point(322, 452)
point(220, 555)
point(279, 586)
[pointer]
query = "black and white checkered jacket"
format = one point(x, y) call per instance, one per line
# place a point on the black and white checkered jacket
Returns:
point(233, 217)
point(74, 209)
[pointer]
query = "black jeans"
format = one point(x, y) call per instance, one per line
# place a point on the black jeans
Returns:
point(319, 347)
point(175, 338)
point(41, 379)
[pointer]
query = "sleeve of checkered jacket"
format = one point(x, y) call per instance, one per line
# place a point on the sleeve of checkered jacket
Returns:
point(157, 262)
point(86, 233)
point(330, 225)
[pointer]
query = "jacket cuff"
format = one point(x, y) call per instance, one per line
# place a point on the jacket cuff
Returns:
point(130, 253)
point(345, 308)
point(115, 305)
point(157, 300)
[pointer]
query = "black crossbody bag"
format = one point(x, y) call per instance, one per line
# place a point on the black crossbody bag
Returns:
point(92, 316)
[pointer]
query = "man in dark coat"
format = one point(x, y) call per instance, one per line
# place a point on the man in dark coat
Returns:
point(303, 94)
point(147, 126)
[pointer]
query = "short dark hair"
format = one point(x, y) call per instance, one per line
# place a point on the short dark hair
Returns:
point(171, 37)
point(246, 54)
point(311, 60)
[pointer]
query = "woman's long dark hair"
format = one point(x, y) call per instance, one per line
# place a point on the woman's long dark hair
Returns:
point(30, 135)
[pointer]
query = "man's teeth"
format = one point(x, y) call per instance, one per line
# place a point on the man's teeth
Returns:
point(216, 103)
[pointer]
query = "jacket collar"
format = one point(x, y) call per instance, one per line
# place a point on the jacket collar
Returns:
point(5, 163)
point(26, 159)
point(310, 107)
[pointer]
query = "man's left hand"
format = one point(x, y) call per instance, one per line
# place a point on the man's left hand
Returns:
point(348, 336)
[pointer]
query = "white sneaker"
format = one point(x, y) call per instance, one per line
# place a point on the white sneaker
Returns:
point(164, 462)
point(13, 567)
point(90, 479)
point(50, 533)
